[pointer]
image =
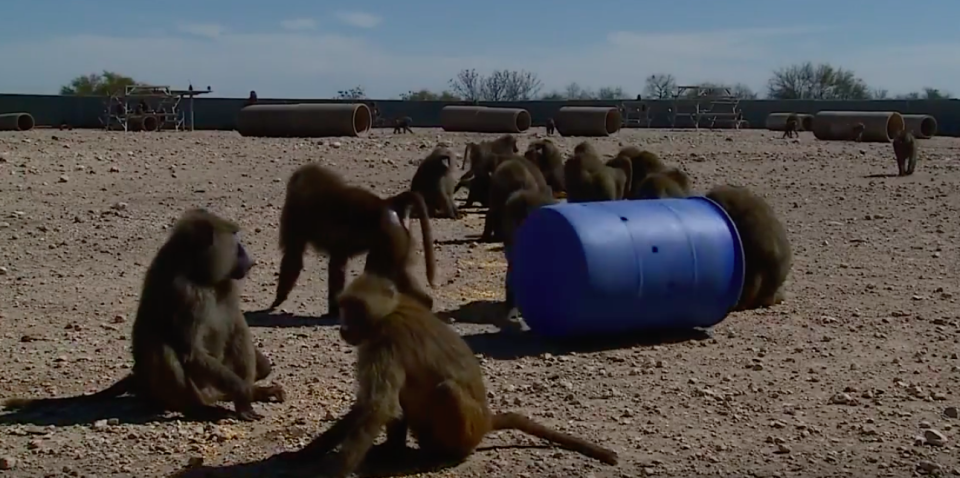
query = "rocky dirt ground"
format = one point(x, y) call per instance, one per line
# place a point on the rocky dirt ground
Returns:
point(856, 374)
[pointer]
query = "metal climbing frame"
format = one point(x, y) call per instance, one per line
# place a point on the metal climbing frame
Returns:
point(163, 103)
point(711, 107)
point(636, 114)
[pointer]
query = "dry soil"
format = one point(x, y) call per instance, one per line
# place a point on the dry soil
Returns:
point(855, 374)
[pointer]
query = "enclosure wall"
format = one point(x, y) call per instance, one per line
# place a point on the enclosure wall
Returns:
point(221, 113)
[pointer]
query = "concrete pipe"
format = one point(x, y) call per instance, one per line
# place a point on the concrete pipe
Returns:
point(147, 123)
point(922, 126)
point(778, 121)
point(459, 118)
point(304, 120)
point(879, 126)
point(16, 122)
point(588, 120)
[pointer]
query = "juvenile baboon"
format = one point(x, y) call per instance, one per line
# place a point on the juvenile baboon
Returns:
point(191, 344)
point(669, 183)
point(587, 178)
point(549, 159)
point(482, 158)
point(343, 221)
point(416, 374)
point(766, 247)
point(856, 132)
point(518, 206)
point(435, 181)
point(792, 126)
point(551, 126)
point(905, 149)
point(641, 162)
point(402, 125)
point(514, 174)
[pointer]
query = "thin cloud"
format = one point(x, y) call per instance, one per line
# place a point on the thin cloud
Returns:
point(318, 64)
point(299, 24)
point(359, 19)
point(209, 30)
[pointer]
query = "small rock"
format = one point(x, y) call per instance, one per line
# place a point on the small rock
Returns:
point(933, 437)
point(951, 412)
point(64, 178)
point(114, 169)
point(335, 145)
point(843, 399)
point(195, 461)
point(8, 463)
point(783, 449)
point(927, 467)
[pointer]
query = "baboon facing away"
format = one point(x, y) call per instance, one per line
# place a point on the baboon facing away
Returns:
point(587, 178)
point(402, 125)
point(905, 149)
point(482, 158)
point(792, 126)
point(191, 344)
point(669, 183)
point(416, 375)
point(641, 163)
point(549, 159)
point(766, 247)
point(513, 174)
point(435, 181)
point(343, 221)
point(551, 126)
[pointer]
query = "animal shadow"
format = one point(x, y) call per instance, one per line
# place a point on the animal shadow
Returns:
point(460, 241)
point(376, 465)
point(885, 175)
point(72, 411)
point(517, 344)
point(266, 318)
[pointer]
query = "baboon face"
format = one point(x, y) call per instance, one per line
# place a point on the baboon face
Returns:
point(363, 305)
point(354, 321)
point(223, 253)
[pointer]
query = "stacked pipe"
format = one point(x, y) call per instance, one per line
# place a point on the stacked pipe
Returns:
point(481, 119)
point(588, 120)
point(16, 122)
point(879, 126)
point(305, 120)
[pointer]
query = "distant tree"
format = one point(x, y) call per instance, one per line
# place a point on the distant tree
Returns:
point(738, 90)
point(660, 86)
point(816, 82)
point(879, 94)
point(355, 93)
point(501, 85)
point(927, 94)
point(427, 95)
point(574, 91)
point(553, 96)
point(98, 84)
point(612, 93)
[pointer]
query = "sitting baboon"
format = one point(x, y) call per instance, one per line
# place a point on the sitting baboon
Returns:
point(191, 344)
point(587, 178)
point(905, 149)
point(435, 181)
point(549, 159)
point(766, 247)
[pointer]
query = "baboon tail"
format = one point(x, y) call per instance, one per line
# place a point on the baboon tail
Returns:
point(516, 421)
point(466, 156)
point(427, 234)
point(122, 386)
point(464, 180)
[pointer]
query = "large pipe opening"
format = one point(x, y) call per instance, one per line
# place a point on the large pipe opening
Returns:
point(25, 123)
point(523, 120)
point(588, 120)
point(922, 126)
point(16, 122)
point(362, 119)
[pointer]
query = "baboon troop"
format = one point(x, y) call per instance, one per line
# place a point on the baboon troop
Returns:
point(589, 179)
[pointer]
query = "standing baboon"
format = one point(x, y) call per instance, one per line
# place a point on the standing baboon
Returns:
point(416, 375)
point(343, 221)
point(792, 127)
point(549, 159)
point(191, 344)
point(482, 158)
point(551, 126)
point(513, 174)
point(402, 125)
point(766, 247)
point(905, 150)
point(435, 181)
point(587, 178)
point(856, 132)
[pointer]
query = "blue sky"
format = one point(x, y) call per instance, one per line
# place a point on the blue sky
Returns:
point(296, 48)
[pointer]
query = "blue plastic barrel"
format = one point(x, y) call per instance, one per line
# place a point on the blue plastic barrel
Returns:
point(626, 266)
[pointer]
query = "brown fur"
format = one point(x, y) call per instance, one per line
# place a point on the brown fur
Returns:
point(482, 158)
point(343, 221)
point(905, 149)
point(416, 374)
point(642, 163)
point(191, 344)
point(766, 247)
point(402, 125)
point(587, 178)
point(435, 181)
point(513, 174)
point(551, 126)
point(856, 132)
point(792, 127)
point(549, 159)
point(669, 183)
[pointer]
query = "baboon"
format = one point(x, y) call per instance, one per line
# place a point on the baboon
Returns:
point(435, 181)
point(641, 162)
point(252, 100)
point(518, 206)
point(551, 126)
point(343, 221)
point(792, 127)
point(402, 125)
point(191, 344)
point(416, 375)
point(513, 174)
point(905, 149)
point(856, 132)
point(549, 159)
point(766, 247)
point(482, 159)
point(669, 183)
point(589, 179)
